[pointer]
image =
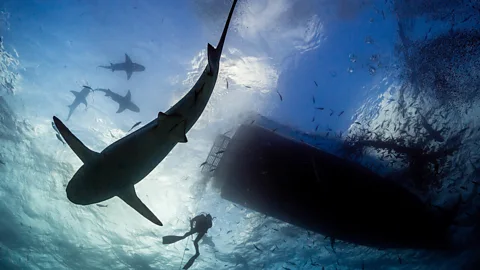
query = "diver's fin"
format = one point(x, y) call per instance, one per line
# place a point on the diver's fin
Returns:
point(129, 196)
point(129, 74)
point(77, 146)
point(121, 107)
point(127, 59)
point(128, 96)
point(75, 93)
point(178, 132)
point(170, 239)
point(190, 262)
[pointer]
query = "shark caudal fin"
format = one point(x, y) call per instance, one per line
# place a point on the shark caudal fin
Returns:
point(129, 196)
point(83, 152)
point(214, 54)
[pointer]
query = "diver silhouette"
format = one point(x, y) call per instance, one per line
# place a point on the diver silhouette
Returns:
point(199, 224)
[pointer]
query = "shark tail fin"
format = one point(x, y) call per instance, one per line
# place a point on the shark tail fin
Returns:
point(214, 54)
point(225, 29)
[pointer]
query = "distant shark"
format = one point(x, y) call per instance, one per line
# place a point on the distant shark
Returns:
point(80, 97)
point(124, 163)
point(123, 102)
point(128, 66)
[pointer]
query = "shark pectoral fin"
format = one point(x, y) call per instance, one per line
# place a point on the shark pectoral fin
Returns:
point(130, 197)
point(121, 108)
point(75, 93)
point(77, 146)
point(178, 132)
point(129, 74)
point(128, 96)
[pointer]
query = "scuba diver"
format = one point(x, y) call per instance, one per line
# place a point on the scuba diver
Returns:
point(199, 224)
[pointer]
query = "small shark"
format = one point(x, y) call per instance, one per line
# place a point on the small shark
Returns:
point(80, 97)
point(123, 102)
point(432, 133)
point(124, 163)
point(128, 66)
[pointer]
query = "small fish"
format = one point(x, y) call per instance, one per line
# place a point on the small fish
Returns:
point(257, 248)
point(229, 231)
point(399, 259)
point(203, 164)
point(316, 128)
point(320, 108)
point(313, 99)
point(332, 111)
point(247, 86)
point(358, 123)
point(136, 124)
point(226, 82)
point(275, 129)
point(327, 134)
point(102, 205)
point(315, 83)
point(341, 113)
point(313, 119)
point(220, 152)
point(253, 121)
point(1, 162)
point(59, 138)
point(286, 268)
point(281, 98)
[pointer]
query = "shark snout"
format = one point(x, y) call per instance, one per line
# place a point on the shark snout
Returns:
point(72, 194)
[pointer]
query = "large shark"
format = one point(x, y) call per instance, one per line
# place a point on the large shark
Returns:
point(128, 66)
point(124, 163)
point(123, 102)
point(80, 97)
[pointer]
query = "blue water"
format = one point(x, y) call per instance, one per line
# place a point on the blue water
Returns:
point(312, 53)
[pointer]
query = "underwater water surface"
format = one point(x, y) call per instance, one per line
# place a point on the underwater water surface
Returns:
point(366, 78)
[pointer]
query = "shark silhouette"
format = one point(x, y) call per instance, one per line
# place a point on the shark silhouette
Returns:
point(128, 66)
point(124, 163)
point(123, 102)
point(80, 97)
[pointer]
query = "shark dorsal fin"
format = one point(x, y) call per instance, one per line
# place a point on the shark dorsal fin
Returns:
point(128, 96)
point(127, 59)
point(129, 196)
point(77, 146)
point(75, 93)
